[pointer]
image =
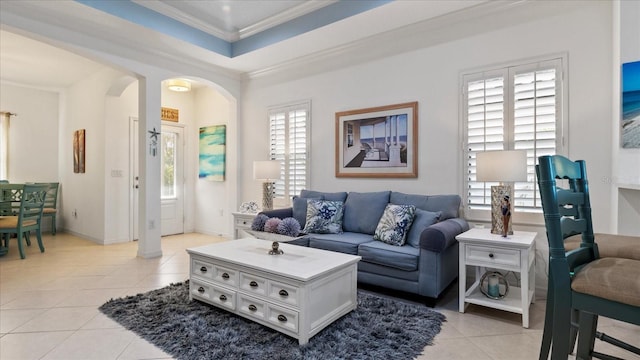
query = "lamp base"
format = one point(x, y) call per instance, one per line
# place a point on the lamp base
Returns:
point(268, 189)
point(501, 223)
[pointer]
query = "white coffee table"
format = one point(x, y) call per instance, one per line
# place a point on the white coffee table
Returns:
point(297, 293)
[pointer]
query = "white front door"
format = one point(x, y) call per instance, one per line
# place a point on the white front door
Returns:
point(172, 180)
point(171, 150)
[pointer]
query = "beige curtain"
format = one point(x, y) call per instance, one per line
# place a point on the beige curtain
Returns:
point(4, 144)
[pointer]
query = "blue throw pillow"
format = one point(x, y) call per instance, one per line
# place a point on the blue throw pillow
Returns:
point(300, 209)
point(324, 217)
point(422, 220)
point(394, 224)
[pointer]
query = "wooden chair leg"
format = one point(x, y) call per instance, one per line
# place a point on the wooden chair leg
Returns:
point(53, 225)
point(547, 331)
point(561, 329)
point(27, 238)
point(20, 247)
point(39, 236)
point(575, 318)
point(586, 335)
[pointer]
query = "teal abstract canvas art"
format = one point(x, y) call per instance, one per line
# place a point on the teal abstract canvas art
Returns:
point(212, 152)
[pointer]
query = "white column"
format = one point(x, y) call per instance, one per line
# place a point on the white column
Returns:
point(149, 95)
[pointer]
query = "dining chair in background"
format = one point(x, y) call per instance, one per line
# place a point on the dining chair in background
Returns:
point(582, 285)
point(28, 219)
point(50, 205)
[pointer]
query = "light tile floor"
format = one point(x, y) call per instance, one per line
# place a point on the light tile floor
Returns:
point(49, 306)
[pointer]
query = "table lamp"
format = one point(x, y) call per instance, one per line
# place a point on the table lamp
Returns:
point(268, 170)
point(504, 166)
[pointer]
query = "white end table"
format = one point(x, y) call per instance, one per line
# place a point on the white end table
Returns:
point(482, 249)
point(241, 221)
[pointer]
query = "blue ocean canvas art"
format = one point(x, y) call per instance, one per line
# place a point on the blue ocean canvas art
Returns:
point(631, 105)
point(212, 152)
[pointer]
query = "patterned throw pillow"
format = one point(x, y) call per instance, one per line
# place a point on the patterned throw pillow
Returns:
point(324, 217)
point(394, 224)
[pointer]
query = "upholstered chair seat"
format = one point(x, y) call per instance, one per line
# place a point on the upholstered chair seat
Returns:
point(610, 245)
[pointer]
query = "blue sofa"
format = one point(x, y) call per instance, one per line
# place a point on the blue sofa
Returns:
point(425, 265)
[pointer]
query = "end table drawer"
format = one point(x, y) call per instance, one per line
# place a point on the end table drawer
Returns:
point(488, 256)
point(243, 223)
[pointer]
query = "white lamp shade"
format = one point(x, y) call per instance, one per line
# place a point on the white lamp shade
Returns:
point(266, 170)
point(503, 166)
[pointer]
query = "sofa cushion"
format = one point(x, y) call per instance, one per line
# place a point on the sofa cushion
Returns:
point(362, 211)
point(422, 220)
point(394, 224)
point(299, 209)
point(334, 196)
point(447, 204)
point(324, 217)
point(345, 243)
point(398, 257)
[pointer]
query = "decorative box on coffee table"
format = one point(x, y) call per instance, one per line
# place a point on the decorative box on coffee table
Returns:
point(297, 293)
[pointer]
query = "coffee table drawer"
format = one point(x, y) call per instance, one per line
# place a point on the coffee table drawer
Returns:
point(284, 293)
point(254, 284)
point(282, 318)
point(226, 276)
point(213, 294)
point(252, 307)
point(202, 269)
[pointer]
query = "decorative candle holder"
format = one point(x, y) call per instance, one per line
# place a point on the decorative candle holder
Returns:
point(491, 284)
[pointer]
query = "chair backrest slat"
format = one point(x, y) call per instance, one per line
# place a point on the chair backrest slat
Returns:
point(32, 202)
point(567, 212)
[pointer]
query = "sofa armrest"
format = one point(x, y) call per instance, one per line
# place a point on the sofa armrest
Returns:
point(440, 236)
point(278, 213)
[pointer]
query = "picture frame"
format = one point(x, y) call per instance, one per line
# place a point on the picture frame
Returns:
point(630, 114)
point(378, 142)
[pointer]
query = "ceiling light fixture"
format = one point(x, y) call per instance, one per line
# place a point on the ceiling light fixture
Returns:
point(178, 85)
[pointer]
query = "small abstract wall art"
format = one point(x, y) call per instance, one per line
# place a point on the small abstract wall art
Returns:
point(212, 152)
point(78, 151)
point(630, 131)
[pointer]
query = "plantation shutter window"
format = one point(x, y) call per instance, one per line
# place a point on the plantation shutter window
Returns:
point(513, 108)
point(289, 143)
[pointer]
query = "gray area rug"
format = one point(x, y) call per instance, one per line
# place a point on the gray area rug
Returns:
point(380, 328)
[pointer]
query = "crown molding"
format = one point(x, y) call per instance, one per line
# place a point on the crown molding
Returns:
point(235, 35)
point(170, 11)
point(448, 27)
point(283, 17)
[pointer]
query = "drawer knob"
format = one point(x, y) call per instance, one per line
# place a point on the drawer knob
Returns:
point(253, 284)
point(491, 255)
point(201, 290)
point(252, 307)
point(225, 276)
point(223, 298)
point(203, 269)
point(282, 318)
point(283, 293)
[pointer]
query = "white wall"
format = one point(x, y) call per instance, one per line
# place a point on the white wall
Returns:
point(431, 77)
point(33, 146)
point(86, 193)
point(625, 178)
point(215, 200)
